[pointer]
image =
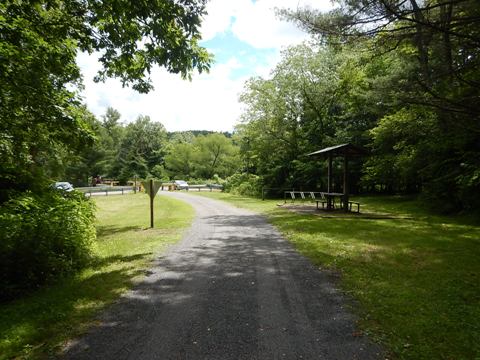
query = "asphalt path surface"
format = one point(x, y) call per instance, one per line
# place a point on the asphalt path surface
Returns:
point(233, 288)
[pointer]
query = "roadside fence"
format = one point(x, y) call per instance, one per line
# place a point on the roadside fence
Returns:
point(105, 190)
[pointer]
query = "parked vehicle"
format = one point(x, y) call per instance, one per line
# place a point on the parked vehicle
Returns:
point(63, 185)
point(181, 184)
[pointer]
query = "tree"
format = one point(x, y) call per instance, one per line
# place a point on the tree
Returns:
point(181, 137)
point(443, 38)
point(437, 41)
point(99, 156)
point(214, 154)
point(400, 143)
point(142, 148)
point(311, 101)
point(92, 159)
point(111, 123)
point(111, 138)
point(180, 161)
point(201, 156)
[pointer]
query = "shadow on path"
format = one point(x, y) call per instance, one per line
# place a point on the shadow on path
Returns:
point(232, 289)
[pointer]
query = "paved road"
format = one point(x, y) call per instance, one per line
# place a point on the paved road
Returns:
point(233, 288)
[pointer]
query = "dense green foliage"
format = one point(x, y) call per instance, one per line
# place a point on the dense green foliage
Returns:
point(38, 326)
point(243, 184)
point(46, 133)
point(399, 78)
point(142, 147)
point(43, 237)
point(201, 157)
point(314, 99)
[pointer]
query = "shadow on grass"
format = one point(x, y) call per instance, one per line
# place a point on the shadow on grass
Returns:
point(114, 230)
point(53, 314)
point(101, 262)
point(417, 279)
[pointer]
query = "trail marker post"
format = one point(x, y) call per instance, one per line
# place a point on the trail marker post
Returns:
point(151, 188)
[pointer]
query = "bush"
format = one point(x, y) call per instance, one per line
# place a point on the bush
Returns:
point(244, 184)
point(43, 237)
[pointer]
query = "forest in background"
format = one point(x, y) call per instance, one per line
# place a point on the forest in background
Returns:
point(144, 149)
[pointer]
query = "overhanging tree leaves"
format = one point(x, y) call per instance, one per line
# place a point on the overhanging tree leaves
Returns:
point(134, 35)
point(441, 38)
point(39, 41)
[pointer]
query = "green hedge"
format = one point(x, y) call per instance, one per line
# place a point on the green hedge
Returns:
point(244, 184)
point(43, 237)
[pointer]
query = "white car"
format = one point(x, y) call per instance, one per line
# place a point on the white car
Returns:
point(63, 185)
point(181, 184)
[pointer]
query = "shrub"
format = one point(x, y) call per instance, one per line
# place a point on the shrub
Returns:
point(43, 237)
point(244, 184)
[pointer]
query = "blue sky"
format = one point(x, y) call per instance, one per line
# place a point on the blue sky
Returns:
point(227, 46)
point(246, 38)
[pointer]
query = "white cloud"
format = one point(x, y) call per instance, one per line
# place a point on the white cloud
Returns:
point(220, 17)
point(255, 22)
point(209, 101)
point(257, 25)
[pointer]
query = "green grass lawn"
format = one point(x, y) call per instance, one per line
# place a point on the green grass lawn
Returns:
point(36, 326)
point(416, 278)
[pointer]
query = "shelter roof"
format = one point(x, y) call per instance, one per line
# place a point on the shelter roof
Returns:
point(339, 150)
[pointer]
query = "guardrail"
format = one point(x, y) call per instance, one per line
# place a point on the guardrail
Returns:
point(105, 189)
point(211, 187)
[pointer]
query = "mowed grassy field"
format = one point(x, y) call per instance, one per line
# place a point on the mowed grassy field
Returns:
point(415, 277)
point(38, 325)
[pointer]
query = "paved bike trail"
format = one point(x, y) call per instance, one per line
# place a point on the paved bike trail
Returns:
point(233, 288)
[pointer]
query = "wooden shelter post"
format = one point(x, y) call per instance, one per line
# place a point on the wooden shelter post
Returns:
point(329, 181)
point(346, 189)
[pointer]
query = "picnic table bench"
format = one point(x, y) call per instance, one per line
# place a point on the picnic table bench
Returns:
point(326, 199)
point(350, 203)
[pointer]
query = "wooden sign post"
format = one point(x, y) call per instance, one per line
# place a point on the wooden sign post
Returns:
point(151, 188)
point(151, 202)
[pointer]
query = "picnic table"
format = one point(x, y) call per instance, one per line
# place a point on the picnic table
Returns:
point(330, 196)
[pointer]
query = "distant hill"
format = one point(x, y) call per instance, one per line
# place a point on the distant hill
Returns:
point(196, 133)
